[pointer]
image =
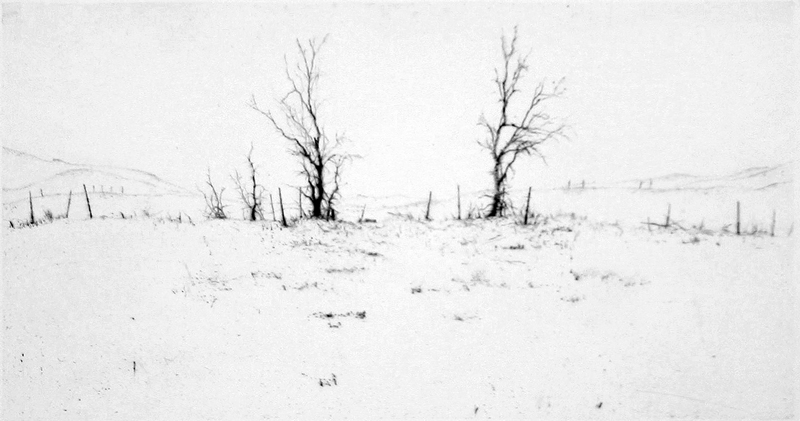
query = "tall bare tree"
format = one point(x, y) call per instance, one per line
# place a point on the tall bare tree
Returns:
point(251, 195)
point(522, 126)
point(298, 121)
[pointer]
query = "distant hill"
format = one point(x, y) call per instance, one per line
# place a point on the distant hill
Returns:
point(23, 172)
point(756, 178)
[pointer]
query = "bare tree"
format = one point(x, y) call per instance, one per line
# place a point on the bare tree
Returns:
point(215, 209)
point(520, 129)
point(299, 123)
point(251, 195)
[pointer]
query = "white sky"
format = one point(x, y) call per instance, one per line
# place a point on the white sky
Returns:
point(651, 88)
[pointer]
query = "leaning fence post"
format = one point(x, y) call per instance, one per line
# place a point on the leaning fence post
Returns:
point(362, 213)
point(428, 210)
point(669, 209)
point(30, 200)
point(283, 215)
point(69, 201)
point(88, 205)
point(272, 206)
point(527, 207)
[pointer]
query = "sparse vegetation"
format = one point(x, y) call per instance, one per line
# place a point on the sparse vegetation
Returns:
point(573, 298)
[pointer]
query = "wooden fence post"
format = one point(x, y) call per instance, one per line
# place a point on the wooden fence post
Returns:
point(30, 200)
point(300, 201)
point(69, 202)
point(428, 210)
point(362, 213)
point(88, 205)
point(280, 201)
point(527, 207)
point(772, 228)
point(738, 218)
point(272, 206)
point(459, 202)
point(669, 209)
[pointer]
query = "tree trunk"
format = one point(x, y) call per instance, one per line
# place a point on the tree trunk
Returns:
point(318, 197)
point(498, 199)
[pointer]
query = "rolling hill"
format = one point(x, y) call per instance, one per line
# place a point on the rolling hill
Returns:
point(23, 172)
point(756, 178)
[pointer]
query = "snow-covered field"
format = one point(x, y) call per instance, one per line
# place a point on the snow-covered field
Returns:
point(572, 318)
point(150, 311)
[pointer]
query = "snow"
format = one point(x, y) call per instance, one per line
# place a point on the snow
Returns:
point(571, 318)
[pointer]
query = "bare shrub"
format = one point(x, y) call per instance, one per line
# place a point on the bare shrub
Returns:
point(215, 209)
point(251, 195)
